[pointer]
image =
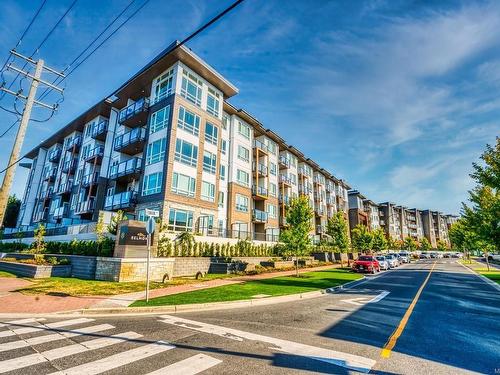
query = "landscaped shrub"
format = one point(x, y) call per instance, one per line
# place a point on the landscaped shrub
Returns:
point(103, 248)
point(8, 247)
point(40, 260)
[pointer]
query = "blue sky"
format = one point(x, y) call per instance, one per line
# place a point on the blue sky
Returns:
point(396, 97)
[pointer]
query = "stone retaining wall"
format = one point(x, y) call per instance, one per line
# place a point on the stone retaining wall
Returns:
point(133, 269)
point(189, 266)
point(35, 271)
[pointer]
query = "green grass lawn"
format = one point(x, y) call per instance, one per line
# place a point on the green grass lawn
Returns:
point(277, 286)
point(66, 286)
point(492, 275)
point(6, 274)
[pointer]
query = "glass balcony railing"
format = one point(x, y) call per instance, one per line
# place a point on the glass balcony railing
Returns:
point(125, 168)
point(121, 200)
point(95, 154)
point(258, 145)
point(69, 166)
point(130, 141)
point(134, 111)
point(284, 199)
point(90, 179)
point(65, 188)
point(99, 130)
point(284, 162)
point(74, 143)
point(260, 168)
point(50, 175)
point(285, 179)
point(55, 155)
point(259, 216)
point(260, 191)
point(86, 206)
point(61, 212)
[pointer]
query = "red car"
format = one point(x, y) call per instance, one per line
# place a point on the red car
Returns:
point(366, 263)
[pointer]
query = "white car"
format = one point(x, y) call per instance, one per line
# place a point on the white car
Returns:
point(392, 260)
point(384, 264)
point(405, 257)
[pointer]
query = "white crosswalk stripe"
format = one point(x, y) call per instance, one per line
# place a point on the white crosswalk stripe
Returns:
point(50, 355)
point(22, 321)
point(189, 366)
point(53, 337)
point(38, 328)
point(117, 360)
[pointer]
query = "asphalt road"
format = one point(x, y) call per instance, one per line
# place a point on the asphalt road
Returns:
point(454, 328)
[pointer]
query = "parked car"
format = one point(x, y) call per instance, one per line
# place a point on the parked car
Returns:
point(384, 264)
point(425, 255)
point(433, 255)
point(392, 260)
point(366, 263)
point(405, 256)
point(398, 258)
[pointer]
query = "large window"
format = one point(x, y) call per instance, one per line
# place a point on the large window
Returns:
point(209, 162)
point(222, 173)
point(213, 102)
point(207, 191)
point(243, 153)
point(164, 85)
point(211, 133)
point(159, 119)
point(273, 168)
point(156, 151)
point(272, 189)
point(180, 220)
point(242, 177)
point(152, 183)
point(223, 147)
point(271, 211)
point(186, 152)
point(191, 88)
point(244, 130)
point(183, 185)
point(241, 203)
point(188, 121)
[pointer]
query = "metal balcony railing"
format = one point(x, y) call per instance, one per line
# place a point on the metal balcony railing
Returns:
point(62, 211)
point(125, 168)
point(65, 188)
point(126, 199)
point(86, 206)
point(95, 154)
point(55, 155)
point(284, 162)
point(260, 191)
point(99, 130)
point(70, 166)
point(258, 145)
point(133, 111)
point(259, 216)
point(285, 179)
point(130, 141)
point(74, 143)
point(50, 175)
point(90, 179)
point(260, 168)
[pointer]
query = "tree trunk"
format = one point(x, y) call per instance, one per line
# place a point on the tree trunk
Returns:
point(296, 265)
point(487, 261)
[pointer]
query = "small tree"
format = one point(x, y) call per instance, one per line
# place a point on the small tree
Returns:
point(338, 230)
point(409, 244)
point(361, 238)
point(39, 239)
point(379, 241)
point(115, 220)
point(425, 245)
point(296, 236)
point(100, 229)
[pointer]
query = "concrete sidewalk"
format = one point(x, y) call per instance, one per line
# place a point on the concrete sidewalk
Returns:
point(15, 302)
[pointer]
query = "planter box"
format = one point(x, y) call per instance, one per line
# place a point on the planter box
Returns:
point(323, 257)
point(278, 264)
point(35, 271)
point(225, 268)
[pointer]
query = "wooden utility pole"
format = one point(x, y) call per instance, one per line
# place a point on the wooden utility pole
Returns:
point(26, 116)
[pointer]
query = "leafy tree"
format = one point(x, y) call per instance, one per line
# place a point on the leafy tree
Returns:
point(11, 212)
point(39, 243)
point(379, 241)
point(441, 245)
point(296, 236)
point(115, 220)
point(361, 238)
point(100, 229)
point(338, 230)
point(393, 244)
point(425, 245)
point(409, 244)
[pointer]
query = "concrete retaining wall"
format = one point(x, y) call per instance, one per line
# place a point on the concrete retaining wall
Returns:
point(34, 271)
point(133, 269)
point(189, 266)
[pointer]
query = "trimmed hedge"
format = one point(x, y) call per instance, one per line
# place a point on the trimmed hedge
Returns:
point(9, 247)
point(76, 247)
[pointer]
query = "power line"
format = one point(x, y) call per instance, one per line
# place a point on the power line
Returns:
point(10, 127)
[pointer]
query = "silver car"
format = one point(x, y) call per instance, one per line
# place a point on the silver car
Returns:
point(384, 264)
point(405, 257)
point(392, 260)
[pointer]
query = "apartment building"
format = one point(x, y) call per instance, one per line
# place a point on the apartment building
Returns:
point(357, 213)
point(168, 140)
point(372, 210)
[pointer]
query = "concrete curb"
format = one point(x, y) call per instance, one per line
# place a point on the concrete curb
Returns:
point(484, 278)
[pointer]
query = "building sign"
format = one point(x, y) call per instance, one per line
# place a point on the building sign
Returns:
point(133, 236)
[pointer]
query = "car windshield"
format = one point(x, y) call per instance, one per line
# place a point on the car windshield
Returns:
point(365, 258)
point(389, 256)
point(380, 258)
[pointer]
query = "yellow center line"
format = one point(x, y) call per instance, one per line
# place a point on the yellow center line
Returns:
point(386, 350)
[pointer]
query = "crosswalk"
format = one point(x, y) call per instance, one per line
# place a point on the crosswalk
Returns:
point(93, 348)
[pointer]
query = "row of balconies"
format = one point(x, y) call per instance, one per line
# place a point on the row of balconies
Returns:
point(305, 189)
point(260, 169)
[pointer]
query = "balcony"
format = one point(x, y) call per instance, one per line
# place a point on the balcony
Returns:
point(74, 144)
point(329, 188)
point(330, 201)
point(127, 199)
point(69, 166)
point(127, 170)
point(260, 147)
point(259, 168)
point(85, 207)
point(62, 211)
point(55, 155)
point(41, 216)
point(260, 193)
point(283, 222)
point(131, 142)
point(382, 222)
point(320, 211)
point(135, 115)
point(50, 175)
point(318, 198)
point(65, 188)
point(305, 189)
point(100, 130)
point(304, 172)
point(90, 179)
point(259, 216)
point(285, 180)
point(284, 162)
point(95, 155)
point(319, 180)
point(284, 199)
point(46, 194)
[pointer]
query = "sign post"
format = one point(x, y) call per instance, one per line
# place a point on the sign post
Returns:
point(150, 228)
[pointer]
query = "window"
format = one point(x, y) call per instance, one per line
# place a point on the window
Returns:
point(241, 203)
point(222, 172)
point(272, 189)
point(159, 120)
point(209, 162)
point(180, 220)
point(207, 191)
point(243, 153)
point(186, 152)
point(141, 215)
point(271, 211)
point(272, 168)
point(271, 146)
point(225, 121)
point(188, 121)
point(85, 151)
point(221, 199)
point(164, 85)
point(88, 129)
point(211, 132)
point(242, 177)
point(293, 178)
point(244, 130)
point(191, 88)
point(156, 151)
point(183, 185)
point(152, 183)
point(213, 102)
point(223, 147)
